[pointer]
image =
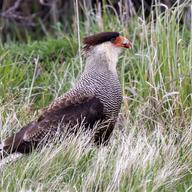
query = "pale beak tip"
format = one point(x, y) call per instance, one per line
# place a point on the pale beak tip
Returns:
point(129, 44)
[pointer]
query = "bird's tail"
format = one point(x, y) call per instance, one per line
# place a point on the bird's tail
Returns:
point(15, 143)
point(9, 145)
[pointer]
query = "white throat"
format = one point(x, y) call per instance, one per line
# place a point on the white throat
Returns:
point(103, 57)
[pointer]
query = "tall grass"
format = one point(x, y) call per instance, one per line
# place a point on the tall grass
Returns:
point(150, 149)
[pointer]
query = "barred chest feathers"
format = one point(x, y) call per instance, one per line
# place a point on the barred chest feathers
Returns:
point(106, 87)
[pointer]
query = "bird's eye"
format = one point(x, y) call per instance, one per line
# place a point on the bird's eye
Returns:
point(112, 40)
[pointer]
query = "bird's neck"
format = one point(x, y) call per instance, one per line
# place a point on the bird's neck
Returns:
point(102, 58)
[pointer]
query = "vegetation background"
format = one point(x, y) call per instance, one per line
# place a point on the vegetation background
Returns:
point(40, 58)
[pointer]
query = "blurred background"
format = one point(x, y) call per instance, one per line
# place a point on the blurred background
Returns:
point(33, 19)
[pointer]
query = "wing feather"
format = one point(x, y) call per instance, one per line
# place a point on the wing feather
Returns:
point(63, 114)
point(88, 109)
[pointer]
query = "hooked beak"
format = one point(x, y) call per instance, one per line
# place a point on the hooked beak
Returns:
point(121, 41)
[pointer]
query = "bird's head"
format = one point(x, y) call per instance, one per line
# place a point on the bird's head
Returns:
point(102, 50)
point(114, 38)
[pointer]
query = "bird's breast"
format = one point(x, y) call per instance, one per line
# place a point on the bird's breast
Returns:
point(108, 90)
point(106, 87)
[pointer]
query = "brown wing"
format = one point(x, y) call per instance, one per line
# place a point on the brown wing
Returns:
point(88, 109)
point(68, 111)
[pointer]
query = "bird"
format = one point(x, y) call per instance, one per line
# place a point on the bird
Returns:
point(96, 97)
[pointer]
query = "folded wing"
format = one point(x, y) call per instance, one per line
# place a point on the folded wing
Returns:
point(67, 111)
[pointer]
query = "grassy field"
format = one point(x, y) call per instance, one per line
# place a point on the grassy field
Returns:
point(151, 148)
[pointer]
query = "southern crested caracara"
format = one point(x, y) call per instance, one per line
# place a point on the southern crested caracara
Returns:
point(95, 98)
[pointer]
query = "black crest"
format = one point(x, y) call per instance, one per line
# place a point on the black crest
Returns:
point(99, 38)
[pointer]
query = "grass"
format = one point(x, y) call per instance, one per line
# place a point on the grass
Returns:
point(150, 149)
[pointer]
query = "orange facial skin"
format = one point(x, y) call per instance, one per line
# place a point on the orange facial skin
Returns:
point(121, 41)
